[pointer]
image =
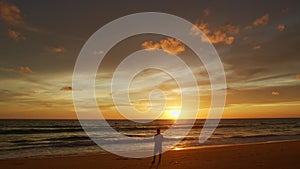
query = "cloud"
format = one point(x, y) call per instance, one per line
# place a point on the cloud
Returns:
point(277, 77)
point(21, 69)
point(229, 40)
point(172, 46)
point(256, 47)
point(202, 26)
point(297, 77)
point(262, 20)
point(24, 69)
point(149, 45)
point(58, 49)
point(206, 12)
point(14, 35)
point(281, 27)
point(275, 93)
point(10, 13)
point(221, 34)
point(169, 45)
point(67, 88)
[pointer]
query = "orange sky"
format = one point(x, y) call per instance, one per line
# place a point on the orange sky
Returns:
point(257, 43)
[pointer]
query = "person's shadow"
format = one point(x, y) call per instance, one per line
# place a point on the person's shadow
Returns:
point(152, 166)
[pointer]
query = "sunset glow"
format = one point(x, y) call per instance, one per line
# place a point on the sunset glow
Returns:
point(257, 45)
point(174, 114)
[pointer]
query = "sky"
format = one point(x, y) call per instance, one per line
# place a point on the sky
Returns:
point(257, 42)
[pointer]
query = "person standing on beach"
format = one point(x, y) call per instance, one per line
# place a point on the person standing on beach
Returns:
point(158, 138)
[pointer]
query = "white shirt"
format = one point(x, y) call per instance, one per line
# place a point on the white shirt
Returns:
point(158, 140)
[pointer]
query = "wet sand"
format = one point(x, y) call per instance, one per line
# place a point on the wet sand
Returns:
point(275, 155)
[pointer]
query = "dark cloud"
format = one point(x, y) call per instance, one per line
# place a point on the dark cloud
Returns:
point(256, 47)
point(281, 27)
point(277, 55)
point(21, 70)
point(15, 35)
point(263, 95)
point(10, 13)
point(66, 88)
point(24, 69)
point(58, 49)
point(263, 20)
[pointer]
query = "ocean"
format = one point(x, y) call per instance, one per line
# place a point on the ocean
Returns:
point(49, 138)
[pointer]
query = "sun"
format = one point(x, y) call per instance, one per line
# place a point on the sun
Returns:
point(174, 113)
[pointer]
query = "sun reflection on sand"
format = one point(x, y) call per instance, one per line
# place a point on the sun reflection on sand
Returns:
point(177, 148)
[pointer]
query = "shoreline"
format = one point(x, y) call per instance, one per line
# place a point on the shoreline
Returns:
point(103, 152)
point(231, 145)
point(275, 154)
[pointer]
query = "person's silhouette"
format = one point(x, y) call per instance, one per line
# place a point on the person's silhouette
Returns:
point(158, 138)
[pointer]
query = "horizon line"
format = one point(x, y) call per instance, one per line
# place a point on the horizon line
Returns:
point(153, 120)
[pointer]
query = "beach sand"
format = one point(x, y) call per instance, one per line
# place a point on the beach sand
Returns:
point(273, 155)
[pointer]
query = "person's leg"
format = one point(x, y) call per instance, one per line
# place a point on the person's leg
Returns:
point(153, 159)
point(160, 152)
point(154, 155)
point(159, 157)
